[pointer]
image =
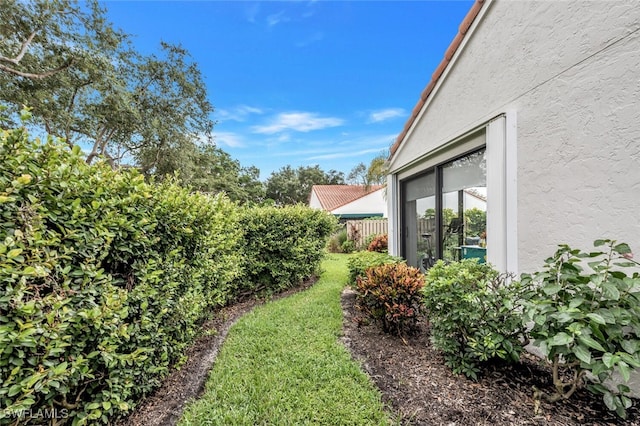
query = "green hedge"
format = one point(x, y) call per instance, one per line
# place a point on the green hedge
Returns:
point(282, 246)
point(359, 262)
point(105, 279)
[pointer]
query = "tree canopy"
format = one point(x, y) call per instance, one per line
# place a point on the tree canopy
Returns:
point(87, 85)
point(293, 186)
point(374, 174)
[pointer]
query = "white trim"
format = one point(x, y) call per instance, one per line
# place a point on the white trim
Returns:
point(393, 200)
point(511, 190)
point(502, 200)
point(496, 197)
point(443, 77)
point(468, 141)
point(499, 136)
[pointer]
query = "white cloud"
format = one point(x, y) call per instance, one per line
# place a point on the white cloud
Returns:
point(385, 114)
point(252, 12)
point(346, 154)
point(238, 113)
point(229, 139)
point(318, 36)
point(299, 122)
point(277, 18)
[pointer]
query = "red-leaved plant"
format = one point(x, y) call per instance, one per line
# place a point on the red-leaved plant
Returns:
point(379, 243)
point(390, 294)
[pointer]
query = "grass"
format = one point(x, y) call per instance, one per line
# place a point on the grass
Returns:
point(282, 364)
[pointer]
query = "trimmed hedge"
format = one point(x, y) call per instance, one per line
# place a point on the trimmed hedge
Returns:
point(282, 246)
point(106, 278)
point(359, 262)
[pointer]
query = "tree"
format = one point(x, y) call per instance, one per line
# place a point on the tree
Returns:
point(43, 38)
point(109, 97)
point(374, 174)
point(205, 168)
point(358, 175)
point(289, 186)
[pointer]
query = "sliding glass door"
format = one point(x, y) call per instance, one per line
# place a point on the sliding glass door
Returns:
point(419, 219)
point(464, 207)
point(444, 212)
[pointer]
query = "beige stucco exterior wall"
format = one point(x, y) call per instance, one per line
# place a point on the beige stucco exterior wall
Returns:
point(571, 73)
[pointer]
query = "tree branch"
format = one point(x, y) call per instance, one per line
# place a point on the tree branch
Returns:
point(39, 76)
point(23, 50)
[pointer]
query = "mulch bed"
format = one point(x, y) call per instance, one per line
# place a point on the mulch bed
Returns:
point(422, 391)
point(415, 384)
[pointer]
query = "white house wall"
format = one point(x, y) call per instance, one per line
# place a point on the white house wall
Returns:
point(373, 203)
point(571, 71)
point(314, 201)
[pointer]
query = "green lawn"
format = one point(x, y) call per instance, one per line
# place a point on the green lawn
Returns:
point(282, 364)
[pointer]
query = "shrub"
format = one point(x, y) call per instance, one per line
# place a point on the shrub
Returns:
point(348, 246)
point(359, 262)
point(390, 295)
point(378, 244)
point(105, 279)
point(588, 320)
point(475, 314)
point(282, 246)
point(335, 241)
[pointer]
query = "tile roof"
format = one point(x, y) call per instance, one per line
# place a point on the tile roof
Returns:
point(453, 47)
point(333, 196)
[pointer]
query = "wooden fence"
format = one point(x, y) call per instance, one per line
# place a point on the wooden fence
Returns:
point(359, 230)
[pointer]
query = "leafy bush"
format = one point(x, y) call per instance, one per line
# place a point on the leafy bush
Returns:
point(588, 319)
point(282, 246)
point(336, 240)
point(475, 314)
point(390, 294)
point(379, 244)
point(105, 279)
point(348, 246)
point(359, 262)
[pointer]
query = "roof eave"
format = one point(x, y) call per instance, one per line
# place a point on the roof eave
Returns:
point(453, 51)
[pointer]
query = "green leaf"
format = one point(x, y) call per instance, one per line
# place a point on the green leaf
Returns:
point(551, 289)
point(14, 253)
point(622, 248)
point(582, 354)
point(590, 342)
point(14, 390)
point(560, 339)
point(609, 401)
point(610, 291)
point(597, 318)
point(624, 369)
point(610, 359)
point(598, 243)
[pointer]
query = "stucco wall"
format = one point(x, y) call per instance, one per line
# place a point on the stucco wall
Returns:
point(373, 203)
point(571, 71)
point(314, 201)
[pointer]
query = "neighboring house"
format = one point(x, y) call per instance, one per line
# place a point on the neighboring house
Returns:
point(535, 106)
point(349, 201)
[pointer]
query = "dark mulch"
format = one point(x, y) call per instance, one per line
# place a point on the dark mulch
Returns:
point(411, 375)
point(422, 391)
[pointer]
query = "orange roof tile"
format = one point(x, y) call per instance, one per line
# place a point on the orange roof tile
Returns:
point(333, 196)
point(451, 50)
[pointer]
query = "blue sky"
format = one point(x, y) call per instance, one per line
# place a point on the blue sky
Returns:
point(303, 82)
